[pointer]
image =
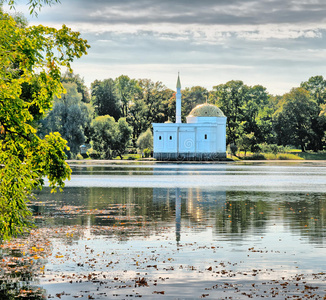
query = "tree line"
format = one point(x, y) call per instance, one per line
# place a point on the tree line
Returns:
point(115, 112)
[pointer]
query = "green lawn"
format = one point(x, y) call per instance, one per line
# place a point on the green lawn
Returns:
point(312, 155)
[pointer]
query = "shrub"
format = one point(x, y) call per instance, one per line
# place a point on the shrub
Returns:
point(132, 151)
point(93, 154)
point(256, 156)
point(283, 156)
point(79, 157)
point(145, 140)
point(147, 152)
point(234, 149)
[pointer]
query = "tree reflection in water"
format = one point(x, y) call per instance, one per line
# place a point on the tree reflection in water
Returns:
point(140, 214)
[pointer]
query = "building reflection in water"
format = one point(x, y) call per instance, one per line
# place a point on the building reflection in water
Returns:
point(193, 204)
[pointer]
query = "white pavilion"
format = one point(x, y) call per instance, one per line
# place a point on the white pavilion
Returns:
point(203, 137)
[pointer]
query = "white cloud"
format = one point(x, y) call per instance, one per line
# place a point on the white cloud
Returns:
point(275, 43)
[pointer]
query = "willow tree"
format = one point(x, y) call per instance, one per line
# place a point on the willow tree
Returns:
point(30, 56)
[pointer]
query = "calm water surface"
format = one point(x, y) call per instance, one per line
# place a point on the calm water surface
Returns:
point(175, 231)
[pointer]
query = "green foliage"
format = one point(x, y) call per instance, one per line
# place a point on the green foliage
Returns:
point(272, 148)
point(102, 135)
point(122, 137)
point(230, 97)
point(70, 117)
point(247, 110)
point(312, 155)
point(105, 99)
point(295, 123)
point(126, 90)
point(79, 157)
point(255, 156)
point(317, 87)
point(30, 56)
point(147, 152)
point(191, 97)
point(34, 5)
point(110, 137)
point(246, 142)
point(233, 149)
point(145, 140)
point(69, 77)
point(271, 156)
point(151, 105)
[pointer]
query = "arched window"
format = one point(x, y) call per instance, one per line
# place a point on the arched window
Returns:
point(159, 137)
point(205, 136)
point(170, 137)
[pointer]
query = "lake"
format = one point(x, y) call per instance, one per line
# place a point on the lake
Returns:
point(175, 231)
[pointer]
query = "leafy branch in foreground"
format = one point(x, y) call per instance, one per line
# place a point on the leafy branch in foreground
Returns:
point(30, 56)
point(32, 4)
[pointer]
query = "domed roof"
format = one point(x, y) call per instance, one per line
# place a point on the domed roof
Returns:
point(206, 110)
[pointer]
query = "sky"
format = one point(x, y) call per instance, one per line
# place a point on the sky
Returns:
point(274, 43)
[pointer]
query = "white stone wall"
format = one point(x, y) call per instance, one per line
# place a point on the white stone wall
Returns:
point(199, 135)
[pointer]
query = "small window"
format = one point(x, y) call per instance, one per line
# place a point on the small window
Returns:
point(205, 136)
point(159, 137)
point(170, 137)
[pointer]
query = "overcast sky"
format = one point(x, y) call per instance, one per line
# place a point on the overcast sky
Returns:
point(275, 43)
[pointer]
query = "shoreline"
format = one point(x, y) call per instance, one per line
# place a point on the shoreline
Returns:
point(151, 161)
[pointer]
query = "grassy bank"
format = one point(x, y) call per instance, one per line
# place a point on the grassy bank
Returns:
point(292, 155)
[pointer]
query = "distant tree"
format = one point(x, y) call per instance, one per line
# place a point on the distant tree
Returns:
point(249, 110)
point(294, 122)
point(110, 137)
point(253, 109)
point(103, 131)
point(104, 98)
point(137, 117)
point(122, 137)
point(246, 142)
point(151, 104)
point(155, 95)
point(70, 117)
point(230, 98)
point(126, 90)
point(191, 97)
point(81, 87)
point(145, 140)
point(316, 85)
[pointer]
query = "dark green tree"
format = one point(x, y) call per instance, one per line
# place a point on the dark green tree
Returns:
point(230, 97)
point(110, 137)
point(126, 90)
point(122, 138)
point(254, 107)
point(151, 104)
point(30, 57)
point(316, 85)
point(104, 98)
point(145, 140)
point(70, 117)
point(191, 97)
point(81, 87)
point(294, 121)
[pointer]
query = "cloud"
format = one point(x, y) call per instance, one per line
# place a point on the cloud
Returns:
point(269, 42)
point(209, 12)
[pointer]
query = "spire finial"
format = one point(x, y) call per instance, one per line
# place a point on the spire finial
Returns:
point(178, 82)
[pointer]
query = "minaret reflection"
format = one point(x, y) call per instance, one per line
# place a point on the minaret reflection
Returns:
point(201, 207)
point(177, 215)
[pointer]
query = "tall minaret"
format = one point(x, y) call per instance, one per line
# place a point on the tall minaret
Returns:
point(178, 102)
